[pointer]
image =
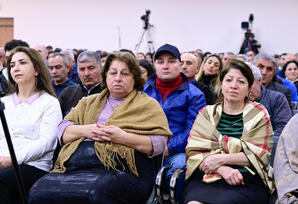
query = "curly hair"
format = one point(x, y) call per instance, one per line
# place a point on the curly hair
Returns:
point(132, 65)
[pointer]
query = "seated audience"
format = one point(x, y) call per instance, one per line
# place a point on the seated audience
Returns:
point(109, 141)
point(250, 55)
point(275, 102)
point(73, 71)
point(59, 67)
point(33, 114)
point(147, 69)
point(267, 64)
point(208, 75)
point(3, 80)
point(228, 150)
point(227, 57)
point(90, 79)
point(43, 51)
point(285, 164)
point(140, 56)
point(149, 57)
point(291, 57)
point(241, 57)
point(190, 68)
point(9, 48)
point(180, 100)
point(103, 57)
point(290, 72)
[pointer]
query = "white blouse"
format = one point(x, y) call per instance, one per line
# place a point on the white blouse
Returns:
point(33, 128)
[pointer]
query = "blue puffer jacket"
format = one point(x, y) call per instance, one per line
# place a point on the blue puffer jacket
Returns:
point(181, 108)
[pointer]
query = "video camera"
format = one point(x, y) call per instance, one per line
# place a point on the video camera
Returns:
point(247, 25)
point(145, 18)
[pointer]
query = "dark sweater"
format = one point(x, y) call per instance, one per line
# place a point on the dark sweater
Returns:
point(210, 81)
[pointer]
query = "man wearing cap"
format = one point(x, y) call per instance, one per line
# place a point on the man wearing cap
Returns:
point(180, 100)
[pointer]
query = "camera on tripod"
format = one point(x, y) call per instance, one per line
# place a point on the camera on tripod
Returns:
point(249, 42)
point(145, 18)
point(247, 25)
point(146, 32)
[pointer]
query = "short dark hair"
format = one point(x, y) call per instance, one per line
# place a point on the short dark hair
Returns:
point(242, 67)
point(132, 65)
point(248, 50)
point(10, 45)
point(103, 54)
point(148, 66)
point(127, 50)
point(283, 72)
point(49, 47)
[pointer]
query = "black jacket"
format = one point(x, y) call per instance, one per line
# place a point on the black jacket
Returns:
point(3, 85)
point(71, 95)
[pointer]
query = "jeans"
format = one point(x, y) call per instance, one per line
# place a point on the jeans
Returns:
point(177, 161)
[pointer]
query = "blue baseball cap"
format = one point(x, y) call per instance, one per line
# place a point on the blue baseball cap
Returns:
point(168, 48)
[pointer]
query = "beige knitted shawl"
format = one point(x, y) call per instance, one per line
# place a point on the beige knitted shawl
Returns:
point(138, 114)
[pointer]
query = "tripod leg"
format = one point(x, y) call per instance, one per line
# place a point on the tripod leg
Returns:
point(149, 41)
point(140, 42)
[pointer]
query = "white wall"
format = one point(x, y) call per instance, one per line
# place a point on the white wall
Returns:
point(213, 25)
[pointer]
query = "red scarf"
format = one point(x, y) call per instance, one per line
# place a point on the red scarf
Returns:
point(166, 87)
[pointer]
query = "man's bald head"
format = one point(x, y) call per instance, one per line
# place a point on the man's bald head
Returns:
point(291, 57)
point(190, 66)
point(42, 50)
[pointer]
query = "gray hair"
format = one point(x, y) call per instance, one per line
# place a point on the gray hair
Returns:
point(88, 56)
point(265, 56)
point(242, 56)
point(55, 54)
point(229, 53)
point(255, 71)
point(69, 53)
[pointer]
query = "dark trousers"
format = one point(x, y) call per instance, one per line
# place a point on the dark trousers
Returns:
point(88, 181)
point(9, 192)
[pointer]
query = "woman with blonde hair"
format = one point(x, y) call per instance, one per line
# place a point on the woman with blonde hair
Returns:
point(208, 75)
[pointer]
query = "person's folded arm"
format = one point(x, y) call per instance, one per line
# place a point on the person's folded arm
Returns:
point(213, 162)
point(141, 143)
point(116, 135)
point(74, 132)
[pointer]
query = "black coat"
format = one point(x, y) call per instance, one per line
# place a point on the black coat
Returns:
point(71, 95)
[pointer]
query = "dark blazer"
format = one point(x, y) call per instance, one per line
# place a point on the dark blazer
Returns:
point(71, 95)
point(282, 89)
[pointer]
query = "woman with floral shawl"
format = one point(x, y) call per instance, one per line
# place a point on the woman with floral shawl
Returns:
point(229, 146)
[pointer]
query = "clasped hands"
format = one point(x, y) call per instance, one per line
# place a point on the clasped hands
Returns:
point(216, 164)
point(104, 133)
